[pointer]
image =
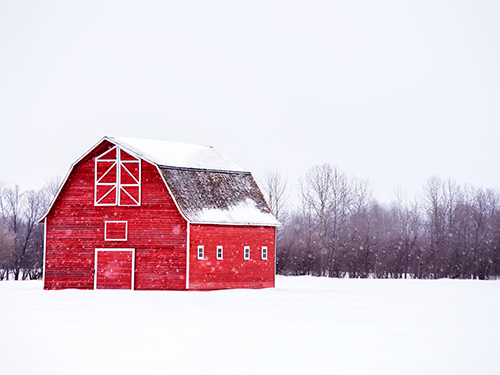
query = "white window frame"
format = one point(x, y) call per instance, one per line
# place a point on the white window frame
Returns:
point(221, 254)
point(115, 239)
point(264, 253)
point(246, 253)
point(201, 252)
point(118, 187)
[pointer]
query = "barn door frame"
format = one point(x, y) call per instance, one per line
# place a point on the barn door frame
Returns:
point(132, 287)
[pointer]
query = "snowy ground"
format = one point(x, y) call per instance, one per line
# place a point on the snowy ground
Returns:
point(305, 325)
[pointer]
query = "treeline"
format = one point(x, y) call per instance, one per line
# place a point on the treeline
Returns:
point(338, 229)
point(21, 236)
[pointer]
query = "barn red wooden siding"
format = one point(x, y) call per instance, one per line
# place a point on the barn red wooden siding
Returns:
point(75, 229)
point(232, 271)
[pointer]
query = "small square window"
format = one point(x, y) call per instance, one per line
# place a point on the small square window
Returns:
point(219, 252)
point(115, 230)
point(264, 252)
point(246, 253)
point(201, 252)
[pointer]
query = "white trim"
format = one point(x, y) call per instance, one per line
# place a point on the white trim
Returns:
point(221, 252)
point(115, 239)
point(118, 175)
point(44, 249)
point(245, 257)
point(187, 255)
point(132, 286)
point(263, 250)
point(202, 248)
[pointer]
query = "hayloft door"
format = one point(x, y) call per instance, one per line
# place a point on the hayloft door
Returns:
point(114, 268)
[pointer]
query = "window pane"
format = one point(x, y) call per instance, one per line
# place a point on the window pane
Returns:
point(105, 195)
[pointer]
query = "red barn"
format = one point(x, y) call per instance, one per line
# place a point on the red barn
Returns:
point(149, 214)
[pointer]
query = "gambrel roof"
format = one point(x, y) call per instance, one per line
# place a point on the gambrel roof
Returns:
point(207, 187)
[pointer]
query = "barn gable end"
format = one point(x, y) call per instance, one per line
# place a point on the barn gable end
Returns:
point(75, 228)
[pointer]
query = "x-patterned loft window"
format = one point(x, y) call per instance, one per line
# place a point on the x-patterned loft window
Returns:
point(117, 179)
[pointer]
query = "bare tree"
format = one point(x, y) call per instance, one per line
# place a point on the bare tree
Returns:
point(275, 190)
point(326, 192)
point(23, 235)
point(317, 197)
point(360, 250)
point(436, 212)
point(7, 250)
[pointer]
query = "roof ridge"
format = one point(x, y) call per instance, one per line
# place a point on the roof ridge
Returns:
point(204, 170)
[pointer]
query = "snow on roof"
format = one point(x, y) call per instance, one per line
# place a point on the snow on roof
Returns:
point(244, 212)
point(176, 154)
point(219, 198)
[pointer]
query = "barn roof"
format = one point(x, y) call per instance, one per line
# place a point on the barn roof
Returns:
point(218, 197)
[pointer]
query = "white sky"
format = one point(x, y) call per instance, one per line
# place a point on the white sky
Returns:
point(390, 91)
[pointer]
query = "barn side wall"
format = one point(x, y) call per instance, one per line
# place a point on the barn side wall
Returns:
point(232, 271)
point(75, 228)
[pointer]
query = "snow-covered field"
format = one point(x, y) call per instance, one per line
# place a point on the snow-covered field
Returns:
point(305, 325)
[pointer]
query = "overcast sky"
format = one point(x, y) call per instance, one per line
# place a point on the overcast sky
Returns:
point(390, 91)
